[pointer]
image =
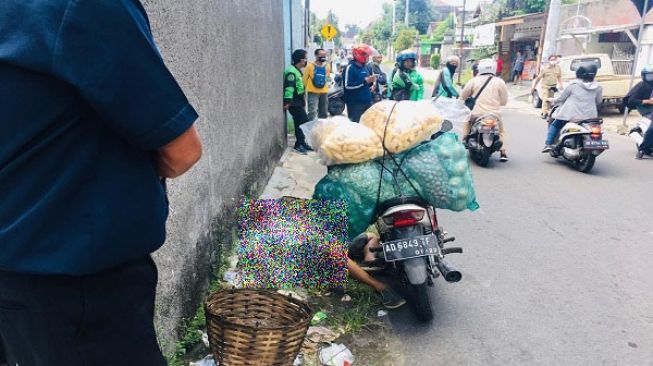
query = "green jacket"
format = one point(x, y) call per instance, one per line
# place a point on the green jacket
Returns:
point(293, 87)
point(450, 91)
point(416, 91)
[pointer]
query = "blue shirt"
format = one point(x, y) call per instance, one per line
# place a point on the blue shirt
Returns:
point(85, 101)
point(357, 90)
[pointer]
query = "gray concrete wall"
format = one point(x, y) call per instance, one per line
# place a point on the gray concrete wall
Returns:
point(228, 56)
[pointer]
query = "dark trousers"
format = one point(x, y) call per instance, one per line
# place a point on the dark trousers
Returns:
point(356, 110)
point(647, 144)
point(300, 117)
point(103, 319)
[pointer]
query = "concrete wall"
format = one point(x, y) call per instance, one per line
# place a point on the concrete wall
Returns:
point(228, 56)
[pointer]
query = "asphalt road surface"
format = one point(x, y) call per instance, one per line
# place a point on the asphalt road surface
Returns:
point(558, 265)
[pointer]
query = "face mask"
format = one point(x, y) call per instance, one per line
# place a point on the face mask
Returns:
point(552, 63)
point(322, 59)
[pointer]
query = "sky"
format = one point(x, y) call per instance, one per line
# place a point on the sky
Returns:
point(360, 12)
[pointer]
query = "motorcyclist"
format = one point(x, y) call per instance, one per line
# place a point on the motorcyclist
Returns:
point(359, 252)
point(579, 100)
point(407, 83)
point(551, 76)
point(639, 97)
point(358, 82)
point(444, 86)
point(379, 86)
point(490, 101)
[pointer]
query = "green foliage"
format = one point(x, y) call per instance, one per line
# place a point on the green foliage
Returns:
point(317, 24)
point(442, 28)
point(484, 52)
point(435, 60)
point(505, 8)
point(419, 16)
point(405, 39)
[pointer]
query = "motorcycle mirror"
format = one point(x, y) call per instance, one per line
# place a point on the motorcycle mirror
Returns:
point(446, 126)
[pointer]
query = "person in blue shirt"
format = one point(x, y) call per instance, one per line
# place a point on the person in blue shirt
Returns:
point(358, 83)
point(92, 122)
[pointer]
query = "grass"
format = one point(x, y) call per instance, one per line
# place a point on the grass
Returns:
point(191, 333)
point(354, 316)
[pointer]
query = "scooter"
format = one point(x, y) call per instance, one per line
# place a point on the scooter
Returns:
point(336, 98)
point(637, 133)
point(483, 139)
point(413, 247)
point(580, 142)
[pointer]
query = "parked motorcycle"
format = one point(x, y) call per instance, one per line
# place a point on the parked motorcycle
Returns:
point(580, 142)
point(413, 246)
point(336, 99)
point(483, 139)
point(637, 132)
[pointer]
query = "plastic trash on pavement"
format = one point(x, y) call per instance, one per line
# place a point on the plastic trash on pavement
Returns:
point(336, 355)
point(206, 361)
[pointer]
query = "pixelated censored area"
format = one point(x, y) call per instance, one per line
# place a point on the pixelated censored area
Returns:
point(291, 242)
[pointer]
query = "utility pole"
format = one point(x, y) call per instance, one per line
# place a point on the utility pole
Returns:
point(462, 42)
point(307, 22)
point(552, 29)
point(407, 12)
point(394, 16)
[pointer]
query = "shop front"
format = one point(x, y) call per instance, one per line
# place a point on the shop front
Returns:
point(520, 34)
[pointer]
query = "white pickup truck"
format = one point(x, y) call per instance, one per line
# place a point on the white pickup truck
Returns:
point(614, 86)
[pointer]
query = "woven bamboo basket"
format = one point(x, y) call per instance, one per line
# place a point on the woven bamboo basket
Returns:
point(255, 327)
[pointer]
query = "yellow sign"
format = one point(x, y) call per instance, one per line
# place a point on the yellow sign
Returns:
point(329, 32)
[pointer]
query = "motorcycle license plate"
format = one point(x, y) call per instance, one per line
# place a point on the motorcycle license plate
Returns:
point(419, 246)
point(596, 145)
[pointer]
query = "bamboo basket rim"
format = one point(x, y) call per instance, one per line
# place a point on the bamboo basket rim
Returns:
point(225, 320)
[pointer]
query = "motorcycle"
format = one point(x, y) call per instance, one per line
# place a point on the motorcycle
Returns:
point(336, 98)
point(580, 142)
point(637, 133)
point(413, 247)
point(483, 139)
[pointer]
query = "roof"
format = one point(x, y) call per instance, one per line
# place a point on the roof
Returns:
point(516, 19)
point(600, 29)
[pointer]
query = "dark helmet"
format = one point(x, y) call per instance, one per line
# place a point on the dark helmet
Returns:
point(587, 71)
point(647, 75)
point(406, 55)
point(298, 55)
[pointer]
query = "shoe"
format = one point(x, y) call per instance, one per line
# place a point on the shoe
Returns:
point(639, 156)
point(547, 148)
point(300, 149)
point(503, 158)
point(308, 148)
point(391, 299)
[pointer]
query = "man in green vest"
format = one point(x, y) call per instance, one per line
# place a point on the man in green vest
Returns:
point(407, 83)
point(294, 99)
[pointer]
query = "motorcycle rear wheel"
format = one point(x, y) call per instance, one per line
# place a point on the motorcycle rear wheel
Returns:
point(336, 107)
point(586, 163)
point(483, 157)
point(420, 301)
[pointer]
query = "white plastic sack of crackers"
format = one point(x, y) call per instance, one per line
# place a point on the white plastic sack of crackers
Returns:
point(340, 141)
point(409, 124)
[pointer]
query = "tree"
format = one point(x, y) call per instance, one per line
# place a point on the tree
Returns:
point(435, 60)
point(442, 28)
point(420, 14)
point(351, 30)
point(405, 39)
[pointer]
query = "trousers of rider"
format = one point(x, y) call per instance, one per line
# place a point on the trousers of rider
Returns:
point(300, 117)
point(547, 98)
point(647, 144)
point(356, 110)
point(467, 128)
point(554, 128)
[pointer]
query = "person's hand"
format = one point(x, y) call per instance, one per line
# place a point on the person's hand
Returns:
point(647, 101)
point(370, 79)
point(286, 106)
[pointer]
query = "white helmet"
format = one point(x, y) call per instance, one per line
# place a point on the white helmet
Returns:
point(487, 66)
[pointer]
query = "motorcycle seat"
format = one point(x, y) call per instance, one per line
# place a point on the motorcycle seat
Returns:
point(385, 205)
point(587, 120)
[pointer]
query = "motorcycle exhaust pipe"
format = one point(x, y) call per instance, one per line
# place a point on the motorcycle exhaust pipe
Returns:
point(449, 273)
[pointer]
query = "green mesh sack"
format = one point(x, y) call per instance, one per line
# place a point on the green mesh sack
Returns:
point(437, 171)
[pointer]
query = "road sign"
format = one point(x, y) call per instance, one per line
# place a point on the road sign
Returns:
point(329, 32)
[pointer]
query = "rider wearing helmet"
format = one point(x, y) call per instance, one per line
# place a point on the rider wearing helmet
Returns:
point(358, 81)
point(407, 83)
point(493, 96)
point(579, 100)
point(444, 86)
point(639, 97)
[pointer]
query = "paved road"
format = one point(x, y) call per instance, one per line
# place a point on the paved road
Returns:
point(558, 265)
